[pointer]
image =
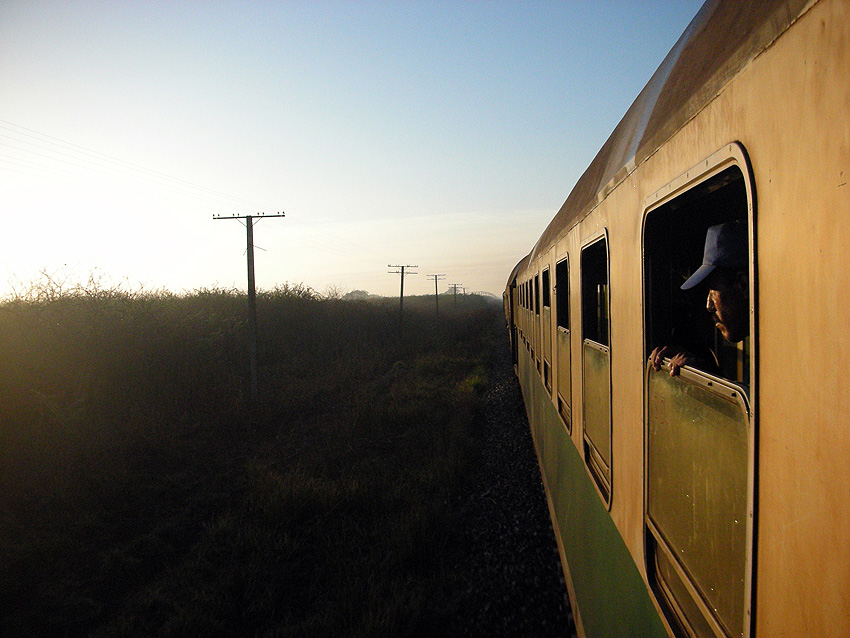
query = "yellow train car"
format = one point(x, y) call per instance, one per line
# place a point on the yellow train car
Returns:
point(709, 498)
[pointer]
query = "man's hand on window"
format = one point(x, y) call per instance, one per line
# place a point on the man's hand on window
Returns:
point(678, 359)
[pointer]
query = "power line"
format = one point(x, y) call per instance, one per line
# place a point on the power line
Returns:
point(66, 160)
point(91, 160)
point(33, 152)
point(343, 241)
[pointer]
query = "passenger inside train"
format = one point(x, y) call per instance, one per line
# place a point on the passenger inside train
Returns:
point(704, 322)
point(724, 274)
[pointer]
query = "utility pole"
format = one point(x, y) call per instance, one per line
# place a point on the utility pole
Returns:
point(436, 293)
point(252, 295)
point(454, 288)
point(401, 272)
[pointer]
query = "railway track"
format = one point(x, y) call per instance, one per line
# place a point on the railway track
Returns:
point(513, 584)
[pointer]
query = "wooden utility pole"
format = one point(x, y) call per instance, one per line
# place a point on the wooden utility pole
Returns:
point(401, 272)
point(436, 292)
point(252, 296)
point(454, 288)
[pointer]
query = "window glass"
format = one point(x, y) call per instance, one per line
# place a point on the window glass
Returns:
point(546, 290)
point(697, 489)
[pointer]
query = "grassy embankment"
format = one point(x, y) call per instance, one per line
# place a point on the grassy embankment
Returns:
point(137, 496)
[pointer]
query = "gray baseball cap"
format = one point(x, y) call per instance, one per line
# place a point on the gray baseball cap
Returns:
point(726, 245)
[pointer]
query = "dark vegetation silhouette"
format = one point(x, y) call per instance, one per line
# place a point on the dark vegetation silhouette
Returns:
point(141, 496)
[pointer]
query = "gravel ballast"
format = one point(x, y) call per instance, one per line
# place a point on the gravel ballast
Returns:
point(513, 579)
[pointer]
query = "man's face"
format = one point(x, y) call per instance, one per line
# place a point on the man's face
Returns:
point(728, 303)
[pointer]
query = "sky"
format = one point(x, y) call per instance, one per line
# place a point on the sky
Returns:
point(442, 135)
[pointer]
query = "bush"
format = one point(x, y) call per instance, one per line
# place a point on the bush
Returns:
point(140, 493)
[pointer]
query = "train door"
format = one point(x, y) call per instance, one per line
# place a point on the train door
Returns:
point(699, 424)
point(596, 363)
point(562, 347)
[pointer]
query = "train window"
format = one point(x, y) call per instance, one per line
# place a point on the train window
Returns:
point(675, 237)
point(596, 364)
point(546, 327)
point(698, 425)
point(594, 292)
point(564, 356)
point(537, 294)
point(562, 293)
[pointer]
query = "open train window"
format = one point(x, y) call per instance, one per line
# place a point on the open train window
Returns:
point(562, 293)
point(594, 292)
point(699, 432)
point(596, 364)
point(562, 345)
point(537, 294)
point(675, 237)
point(547, 298)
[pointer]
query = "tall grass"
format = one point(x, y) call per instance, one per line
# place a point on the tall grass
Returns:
point(140, 495)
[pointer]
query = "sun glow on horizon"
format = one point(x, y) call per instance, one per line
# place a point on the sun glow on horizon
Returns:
point(443, 135)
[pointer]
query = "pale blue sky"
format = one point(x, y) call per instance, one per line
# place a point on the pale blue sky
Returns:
point(441, 134)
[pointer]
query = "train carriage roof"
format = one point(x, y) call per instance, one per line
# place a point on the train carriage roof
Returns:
point(724, 36)
point(517, 269)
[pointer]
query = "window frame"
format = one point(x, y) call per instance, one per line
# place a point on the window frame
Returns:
point(562, 309)
point(603, 478)
point(730, 155)
point(563, 338)
point(536, 287)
